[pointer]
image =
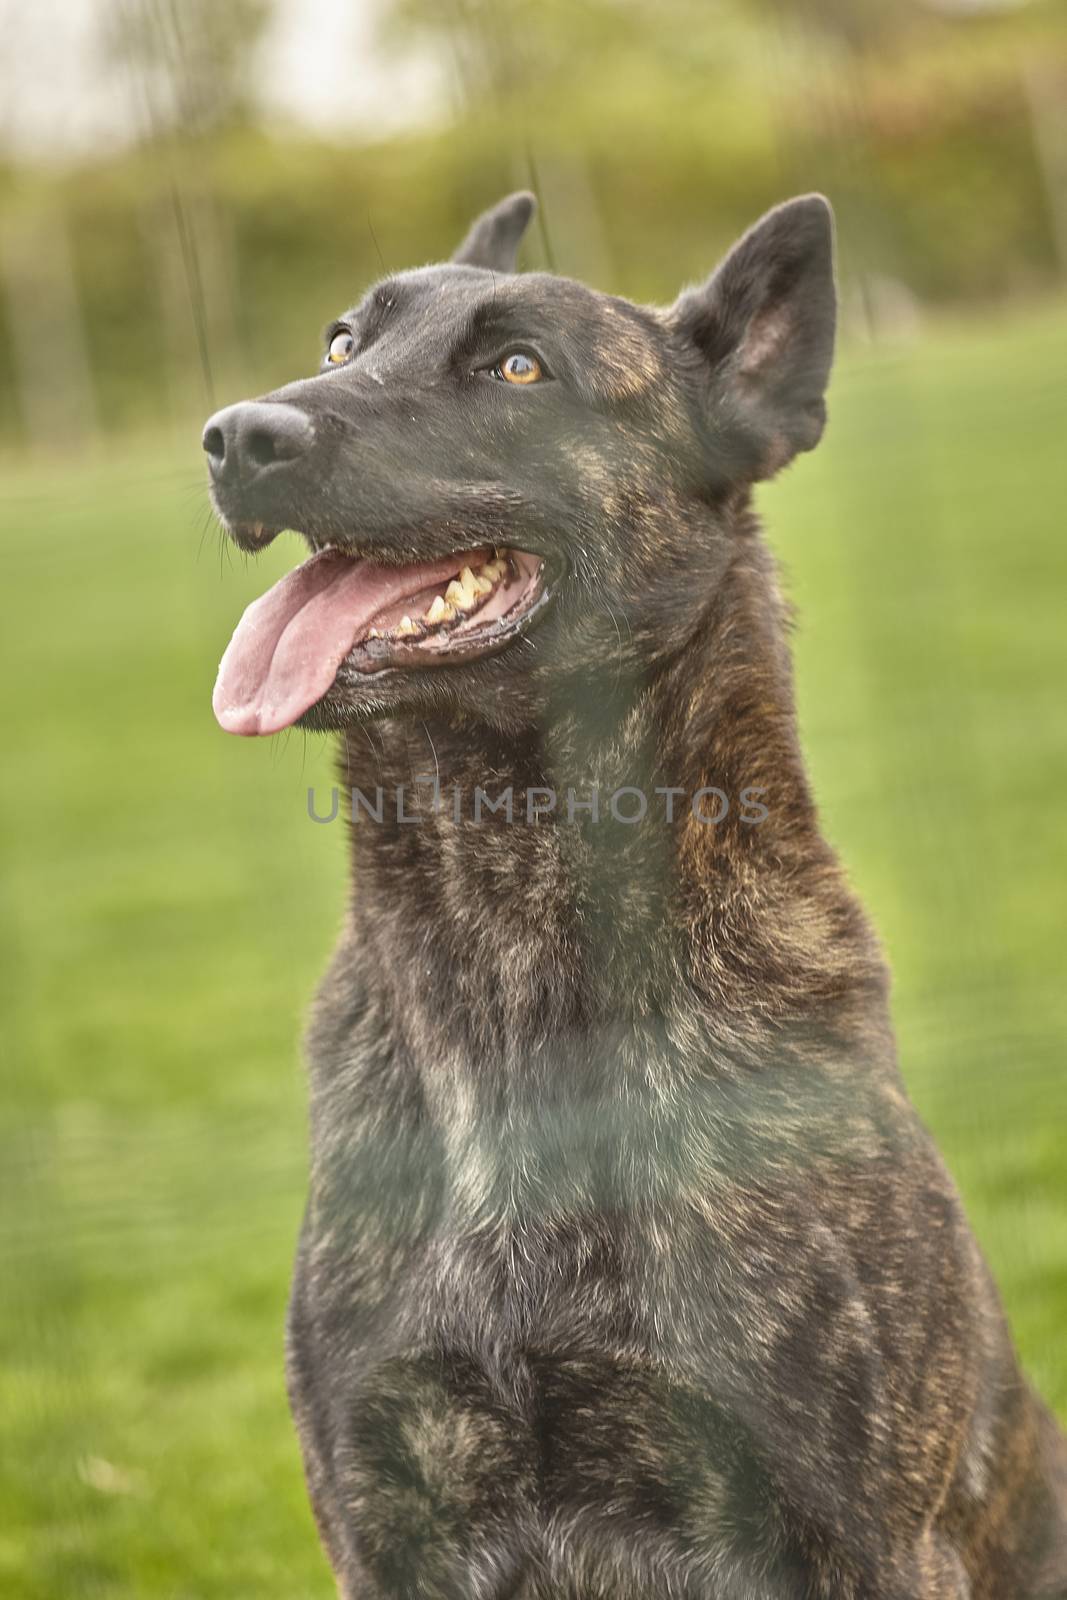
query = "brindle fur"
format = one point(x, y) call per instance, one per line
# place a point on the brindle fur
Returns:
point(628, 1270)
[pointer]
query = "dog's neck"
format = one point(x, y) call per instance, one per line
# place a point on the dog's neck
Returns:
point(498, 938)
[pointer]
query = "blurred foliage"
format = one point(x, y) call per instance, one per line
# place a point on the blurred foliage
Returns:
point(188, 64)
point(205, 258)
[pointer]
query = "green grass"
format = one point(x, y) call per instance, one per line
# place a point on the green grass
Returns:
point(167, 907)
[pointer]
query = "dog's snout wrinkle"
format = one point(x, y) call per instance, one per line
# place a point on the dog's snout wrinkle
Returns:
point(244, 440)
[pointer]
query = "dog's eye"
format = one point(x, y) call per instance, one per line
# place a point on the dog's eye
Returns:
point(341, 347)
point(519, 367)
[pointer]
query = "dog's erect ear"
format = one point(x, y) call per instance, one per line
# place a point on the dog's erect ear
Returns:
point(494, 238)
point(763, 325)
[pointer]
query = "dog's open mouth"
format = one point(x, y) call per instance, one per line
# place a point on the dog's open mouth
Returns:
point(290, 644)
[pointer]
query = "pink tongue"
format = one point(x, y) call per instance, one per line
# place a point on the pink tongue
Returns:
point(287, 647)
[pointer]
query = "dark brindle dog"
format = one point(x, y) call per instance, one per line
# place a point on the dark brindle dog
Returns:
point(628, 1271)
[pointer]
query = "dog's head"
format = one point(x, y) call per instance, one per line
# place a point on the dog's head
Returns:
point(509, 479)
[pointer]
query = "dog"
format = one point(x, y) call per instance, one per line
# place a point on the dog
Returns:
point(628, 1271)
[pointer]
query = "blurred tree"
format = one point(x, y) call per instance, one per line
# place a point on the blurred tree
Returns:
point(47, 329)
point(654, 130)
point(189, 69)
point(189, 61)
point(859, 24)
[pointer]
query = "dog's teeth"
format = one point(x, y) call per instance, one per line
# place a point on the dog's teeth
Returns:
point(438, 612)
point(461, 594)
point(464, 592)
point(375, 633)
point(405, 627)
point(473, 587)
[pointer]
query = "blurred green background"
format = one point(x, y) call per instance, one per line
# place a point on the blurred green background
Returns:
point(188, 191)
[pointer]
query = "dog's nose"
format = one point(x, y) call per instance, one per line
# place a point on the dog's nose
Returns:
point(244, 440)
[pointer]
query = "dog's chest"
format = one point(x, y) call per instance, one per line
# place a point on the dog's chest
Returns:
point(528, 1178)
